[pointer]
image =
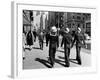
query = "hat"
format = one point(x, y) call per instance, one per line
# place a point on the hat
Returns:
point(67, 30)
point(79, 29)
point(54, 29)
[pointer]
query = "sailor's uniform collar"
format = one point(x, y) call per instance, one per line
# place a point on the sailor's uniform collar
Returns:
point(53, 35)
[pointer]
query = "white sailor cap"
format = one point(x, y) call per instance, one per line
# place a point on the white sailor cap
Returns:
point(54, 29)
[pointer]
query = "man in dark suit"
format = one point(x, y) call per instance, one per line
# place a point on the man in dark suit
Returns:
point(47, 37)
point(80, 41)
point(53, 44)
point(30, 39)
point(67, 39)
point(62, 42)
point(35, 34)
point(41, 38)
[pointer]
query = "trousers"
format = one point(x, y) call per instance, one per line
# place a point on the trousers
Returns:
point(52, 52)
point(67, 54)
point(78, 57)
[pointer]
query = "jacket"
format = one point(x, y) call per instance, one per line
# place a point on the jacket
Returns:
point(53, 41)
point(79, 39)
point(67, 40)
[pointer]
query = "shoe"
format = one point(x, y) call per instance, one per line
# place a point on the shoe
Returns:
point(79, 62)
point(52, 65)
point(67, 65)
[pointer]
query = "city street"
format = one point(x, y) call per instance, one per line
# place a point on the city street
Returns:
point(38, 59)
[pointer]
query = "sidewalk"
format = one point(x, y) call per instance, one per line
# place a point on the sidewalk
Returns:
point(38, 59)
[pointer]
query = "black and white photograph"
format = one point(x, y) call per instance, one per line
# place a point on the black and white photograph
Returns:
point(50, 40)
point(55, 39)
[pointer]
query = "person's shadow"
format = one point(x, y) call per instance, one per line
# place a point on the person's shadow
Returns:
point(27, 49)
point(60, 51)
point(32, 48)
point(36, 48)
point(60, 62)
point(44, 62)
point(71, 60)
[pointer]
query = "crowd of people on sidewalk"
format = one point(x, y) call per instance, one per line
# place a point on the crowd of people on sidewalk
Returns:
point(52, 41)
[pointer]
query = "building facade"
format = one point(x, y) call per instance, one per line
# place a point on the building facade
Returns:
point(55, 19)
point(82, 20)
point(71, 20)
point(75, 20)
point(34, 20)
point(26, 20)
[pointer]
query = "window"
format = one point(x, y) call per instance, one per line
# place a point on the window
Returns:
point(78, 25)
point(83, 18)
point(73, 17)
point(78, 17)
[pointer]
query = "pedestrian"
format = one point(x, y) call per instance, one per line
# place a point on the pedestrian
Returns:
point(47, 37)
point(62, 42)
point(67, 40)
point(53, 44)
point(35, 34)
point(30, 39)
point(80, 41)
point(23, 45)
point(41, 38)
